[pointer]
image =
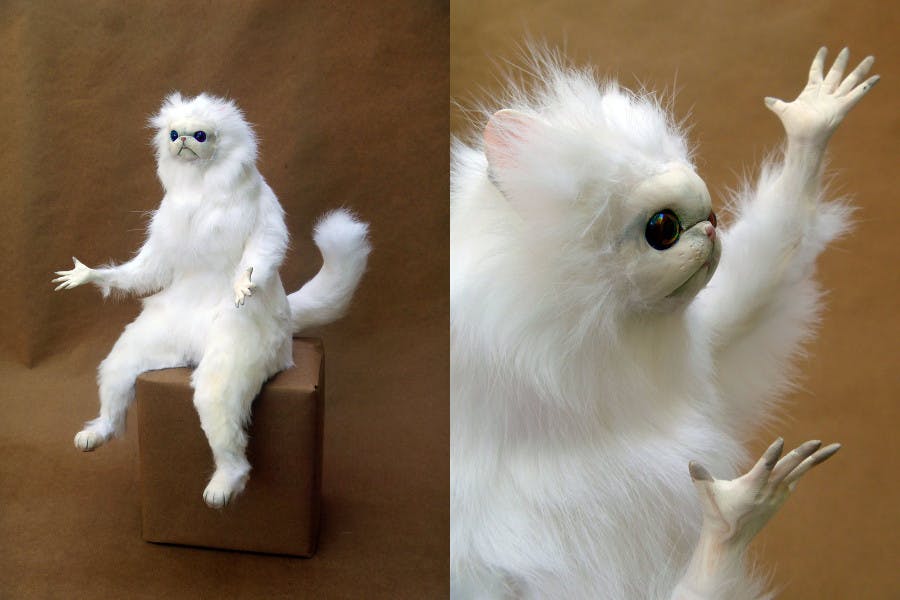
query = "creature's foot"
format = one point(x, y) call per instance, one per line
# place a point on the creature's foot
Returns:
point(95, 434)
point(225, 484)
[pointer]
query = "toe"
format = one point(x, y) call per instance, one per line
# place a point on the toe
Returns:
point(216, 498)
point(86, 440)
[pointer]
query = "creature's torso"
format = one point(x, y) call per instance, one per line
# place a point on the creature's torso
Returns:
point(595, 514)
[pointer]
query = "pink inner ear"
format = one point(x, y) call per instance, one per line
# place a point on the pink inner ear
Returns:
point(502, 135)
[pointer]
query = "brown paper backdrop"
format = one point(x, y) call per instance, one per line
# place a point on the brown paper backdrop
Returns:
point(349, 102)
point(838, 536)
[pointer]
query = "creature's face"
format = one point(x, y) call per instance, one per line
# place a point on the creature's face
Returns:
point(669, 244)
point(204, 136)
point(192, 139)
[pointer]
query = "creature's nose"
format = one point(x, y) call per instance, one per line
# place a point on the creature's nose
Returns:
point(710, 231)
point(184, 137)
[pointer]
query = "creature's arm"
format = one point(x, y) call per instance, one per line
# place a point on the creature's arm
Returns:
point(145, 273)
point(734, 512)
point(761, 301)
point(264, 250)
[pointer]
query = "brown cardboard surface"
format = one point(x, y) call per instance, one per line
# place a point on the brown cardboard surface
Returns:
point(349, 103)
point(839, 536)
point(278, 512)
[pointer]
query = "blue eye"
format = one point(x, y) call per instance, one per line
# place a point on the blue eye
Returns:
point(173, 134)
point(200, 136)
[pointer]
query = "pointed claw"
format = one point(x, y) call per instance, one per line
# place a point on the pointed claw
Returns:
point(811, 461)
point(775, 105)
point(699, 472)
point(759, 474)
point(773, 453)
point(791, 460)
point(825, 453)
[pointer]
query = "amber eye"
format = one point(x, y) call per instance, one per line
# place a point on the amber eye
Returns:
point(663, 230)
point(712, 219)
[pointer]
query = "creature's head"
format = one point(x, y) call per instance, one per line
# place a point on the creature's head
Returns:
point(609, 199)
point(203, 132)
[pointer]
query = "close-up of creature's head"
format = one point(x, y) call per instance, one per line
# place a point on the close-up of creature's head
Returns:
point(607, 192)
point(204, 132)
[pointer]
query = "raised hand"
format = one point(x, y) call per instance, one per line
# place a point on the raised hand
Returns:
point(815, 114)
point(243, 287)
point(81, 274)
point(735, 511)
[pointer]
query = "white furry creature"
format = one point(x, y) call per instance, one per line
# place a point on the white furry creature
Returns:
point(596, 348)
point(210, 264)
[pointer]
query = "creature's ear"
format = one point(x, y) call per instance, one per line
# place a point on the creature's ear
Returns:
point(505, 134)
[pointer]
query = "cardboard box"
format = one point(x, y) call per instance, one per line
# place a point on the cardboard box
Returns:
point(278, 512)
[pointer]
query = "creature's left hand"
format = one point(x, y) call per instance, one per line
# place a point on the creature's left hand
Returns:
point(815, 114)
point(78, 275)
point(243, 287)
point(735, 511)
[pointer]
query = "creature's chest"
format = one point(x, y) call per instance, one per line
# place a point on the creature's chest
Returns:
point(610, 511)
point(205, 231)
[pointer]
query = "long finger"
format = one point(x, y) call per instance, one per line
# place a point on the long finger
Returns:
point(792, 459)
point(817, 458)
point(861, 70)
point(767, 462)
point(58, 279)
point(836, 71)
point(815, 69)
point(859, 91)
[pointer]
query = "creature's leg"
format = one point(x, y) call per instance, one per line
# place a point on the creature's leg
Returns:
point(225, 383)
point(145, 344)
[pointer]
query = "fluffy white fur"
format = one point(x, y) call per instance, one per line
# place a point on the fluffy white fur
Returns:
point(588, 369)
point(210, 264)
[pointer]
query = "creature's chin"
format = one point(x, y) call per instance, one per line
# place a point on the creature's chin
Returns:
point(694, 283)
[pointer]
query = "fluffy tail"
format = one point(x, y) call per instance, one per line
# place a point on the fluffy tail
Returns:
point(344, 244)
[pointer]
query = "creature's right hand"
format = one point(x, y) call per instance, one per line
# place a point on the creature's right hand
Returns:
point(814, 115)
point(81, 274)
